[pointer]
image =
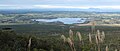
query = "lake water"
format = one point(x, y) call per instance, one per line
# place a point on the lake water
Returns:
point(64, 20)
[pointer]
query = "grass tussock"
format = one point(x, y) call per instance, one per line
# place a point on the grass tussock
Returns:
point(95, 42)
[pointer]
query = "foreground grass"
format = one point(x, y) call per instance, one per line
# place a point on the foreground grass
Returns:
point(9, 41)
point(47, 40)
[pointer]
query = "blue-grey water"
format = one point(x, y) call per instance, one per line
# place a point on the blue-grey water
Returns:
point(64, 20)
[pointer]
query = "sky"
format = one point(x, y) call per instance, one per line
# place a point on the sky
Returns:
point(84, 4)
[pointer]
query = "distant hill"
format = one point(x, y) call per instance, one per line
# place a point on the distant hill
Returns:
point(5, 11)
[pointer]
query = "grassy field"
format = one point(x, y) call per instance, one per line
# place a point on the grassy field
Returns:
point(48, 29)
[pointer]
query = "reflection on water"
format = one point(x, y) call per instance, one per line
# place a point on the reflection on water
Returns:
point(64, 20)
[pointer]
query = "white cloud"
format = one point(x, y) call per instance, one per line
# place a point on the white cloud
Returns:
point(15, 6)
point(83, 7)
point(56, 6)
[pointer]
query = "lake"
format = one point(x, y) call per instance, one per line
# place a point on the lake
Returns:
point(64, 20)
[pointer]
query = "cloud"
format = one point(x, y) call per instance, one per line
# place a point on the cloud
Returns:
point(55, 6)
point(81, 7)
point(15, 6)
point(61, 2)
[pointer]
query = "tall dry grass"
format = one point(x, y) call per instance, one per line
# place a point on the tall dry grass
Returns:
point(102, 36)
point(99, 39)
point(79, 36)
point(106, 49)
point(64, 38)
point(98, 35)
point(29, 44)
point(116, 50)
point(96, 39)
point(90, 38)
point(71, 34)
point(71, 44)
